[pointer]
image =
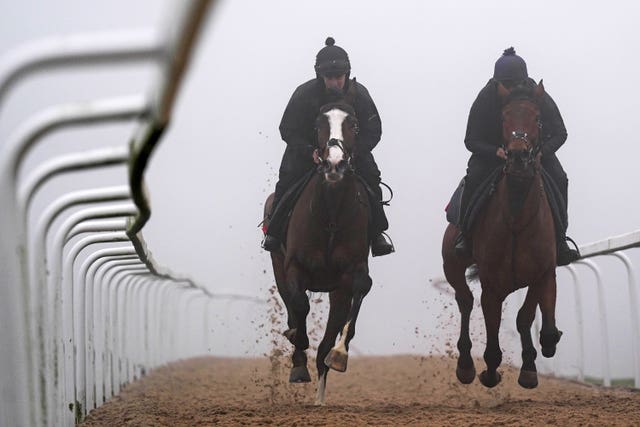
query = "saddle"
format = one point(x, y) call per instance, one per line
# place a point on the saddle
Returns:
point(279, 218)
point(282, 212)
point(464, 221)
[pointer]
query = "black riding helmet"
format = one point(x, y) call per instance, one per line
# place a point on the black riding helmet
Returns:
point(332, 60)
point(510, 67)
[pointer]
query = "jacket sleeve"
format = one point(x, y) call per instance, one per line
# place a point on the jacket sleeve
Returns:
point(293, 126)
point(478, 136)
point(554, 133)
point(368, 120)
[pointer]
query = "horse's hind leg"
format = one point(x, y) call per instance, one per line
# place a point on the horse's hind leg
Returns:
point(455, 274)
point(339, 303)
point(492, 310)
point(299, 306)
point(549, 335)
point(338, 356)
point(528, 374)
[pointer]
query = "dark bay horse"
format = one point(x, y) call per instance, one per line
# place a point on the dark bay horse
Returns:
point(513, 246)
point(327, 248)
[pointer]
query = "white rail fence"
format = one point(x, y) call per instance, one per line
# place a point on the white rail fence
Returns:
point(592, 255)
point(84, 309)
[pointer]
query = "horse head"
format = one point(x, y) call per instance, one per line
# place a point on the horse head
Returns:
point(521, 128)
point(336, 131)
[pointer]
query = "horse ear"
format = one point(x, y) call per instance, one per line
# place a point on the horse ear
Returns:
point(352, 92)
point(503, 92)
point(539, 90)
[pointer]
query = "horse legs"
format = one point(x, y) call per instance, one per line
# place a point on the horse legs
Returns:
point(465, 371)
point(549, 335)
point(299, 306)
point(492, 310)
point(528, 374)
point(337, 357)
point(277, 261)
point(339, 303)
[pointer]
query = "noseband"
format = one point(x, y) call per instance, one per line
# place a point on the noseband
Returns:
point(528, 156)
point(334, 142)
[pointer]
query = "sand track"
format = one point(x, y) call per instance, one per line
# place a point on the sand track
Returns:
point(398, 390)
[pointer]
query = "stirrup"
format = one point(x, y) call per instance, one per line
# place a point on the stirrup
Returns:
point(575, 245)
point(568, 255)
point(271, 243)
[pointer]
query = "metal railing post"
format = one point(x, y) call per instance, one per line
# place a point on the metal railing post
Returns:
point(635, 319)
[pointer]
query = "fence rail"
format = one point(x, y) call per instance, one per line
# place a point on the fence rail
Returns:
point(84, 307)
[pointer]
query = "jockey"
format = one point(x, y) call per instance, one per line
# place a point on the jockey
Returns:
point(484, 136)
point(297, 129)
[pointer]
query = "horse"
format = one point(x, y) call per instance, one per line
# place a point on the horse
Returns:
point(513, 246)
point(327, 247)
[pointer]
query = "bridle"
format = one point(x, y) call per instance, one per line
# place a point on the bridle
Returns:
point(334, 142)
point(526, 157)
point(339, 143)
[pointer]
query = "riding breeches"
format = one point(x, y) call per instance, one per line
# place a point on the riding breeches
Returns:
point(552, 165)
point(366, 167)
point(479, 168)
point(297, 160)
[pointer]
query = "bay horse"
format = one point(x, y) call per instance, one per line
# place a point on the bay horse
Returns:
point(327, 247)
point(513, 246)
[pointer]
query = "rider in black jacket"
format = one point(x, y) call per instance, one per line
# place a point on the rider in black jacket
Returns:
point(297, 129)
point(484, 137)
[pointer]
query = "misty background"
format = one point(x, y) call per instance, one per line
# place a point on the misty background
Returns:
point(423, 63)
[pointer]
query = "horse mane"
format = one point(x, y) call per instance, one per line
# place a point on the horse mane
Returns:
point(340, 104)
point(520, 92)
point(339, 99)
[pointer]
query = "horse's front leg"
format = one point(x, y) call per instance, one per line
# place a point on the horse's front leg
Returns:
point(297, 279)
point(528, 373)
point(492, 310)
point(455, 274)
point(337, 357)
point(549, 335)
point(277, 261)
point(339, 304)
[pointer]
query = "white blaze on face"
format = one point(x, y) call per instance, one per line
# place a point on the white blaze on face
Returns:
point(336, 118)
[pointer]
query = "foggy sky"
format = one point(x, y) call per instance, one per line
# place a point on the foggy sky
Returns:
point(423, 63)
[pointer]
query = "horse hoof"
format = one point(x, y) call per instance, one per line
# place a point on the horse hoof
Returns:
point(299, 374)
point(548, 342)
point(549, 351)
point(336, 360)
point(528, 379)
point(489, 382)
point(290, 334)
point(466, 376)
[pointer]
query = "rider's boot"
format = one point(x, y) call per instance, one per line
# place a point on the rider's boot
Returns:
point(380, 246)
point(566, 255)
point(271, 243)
